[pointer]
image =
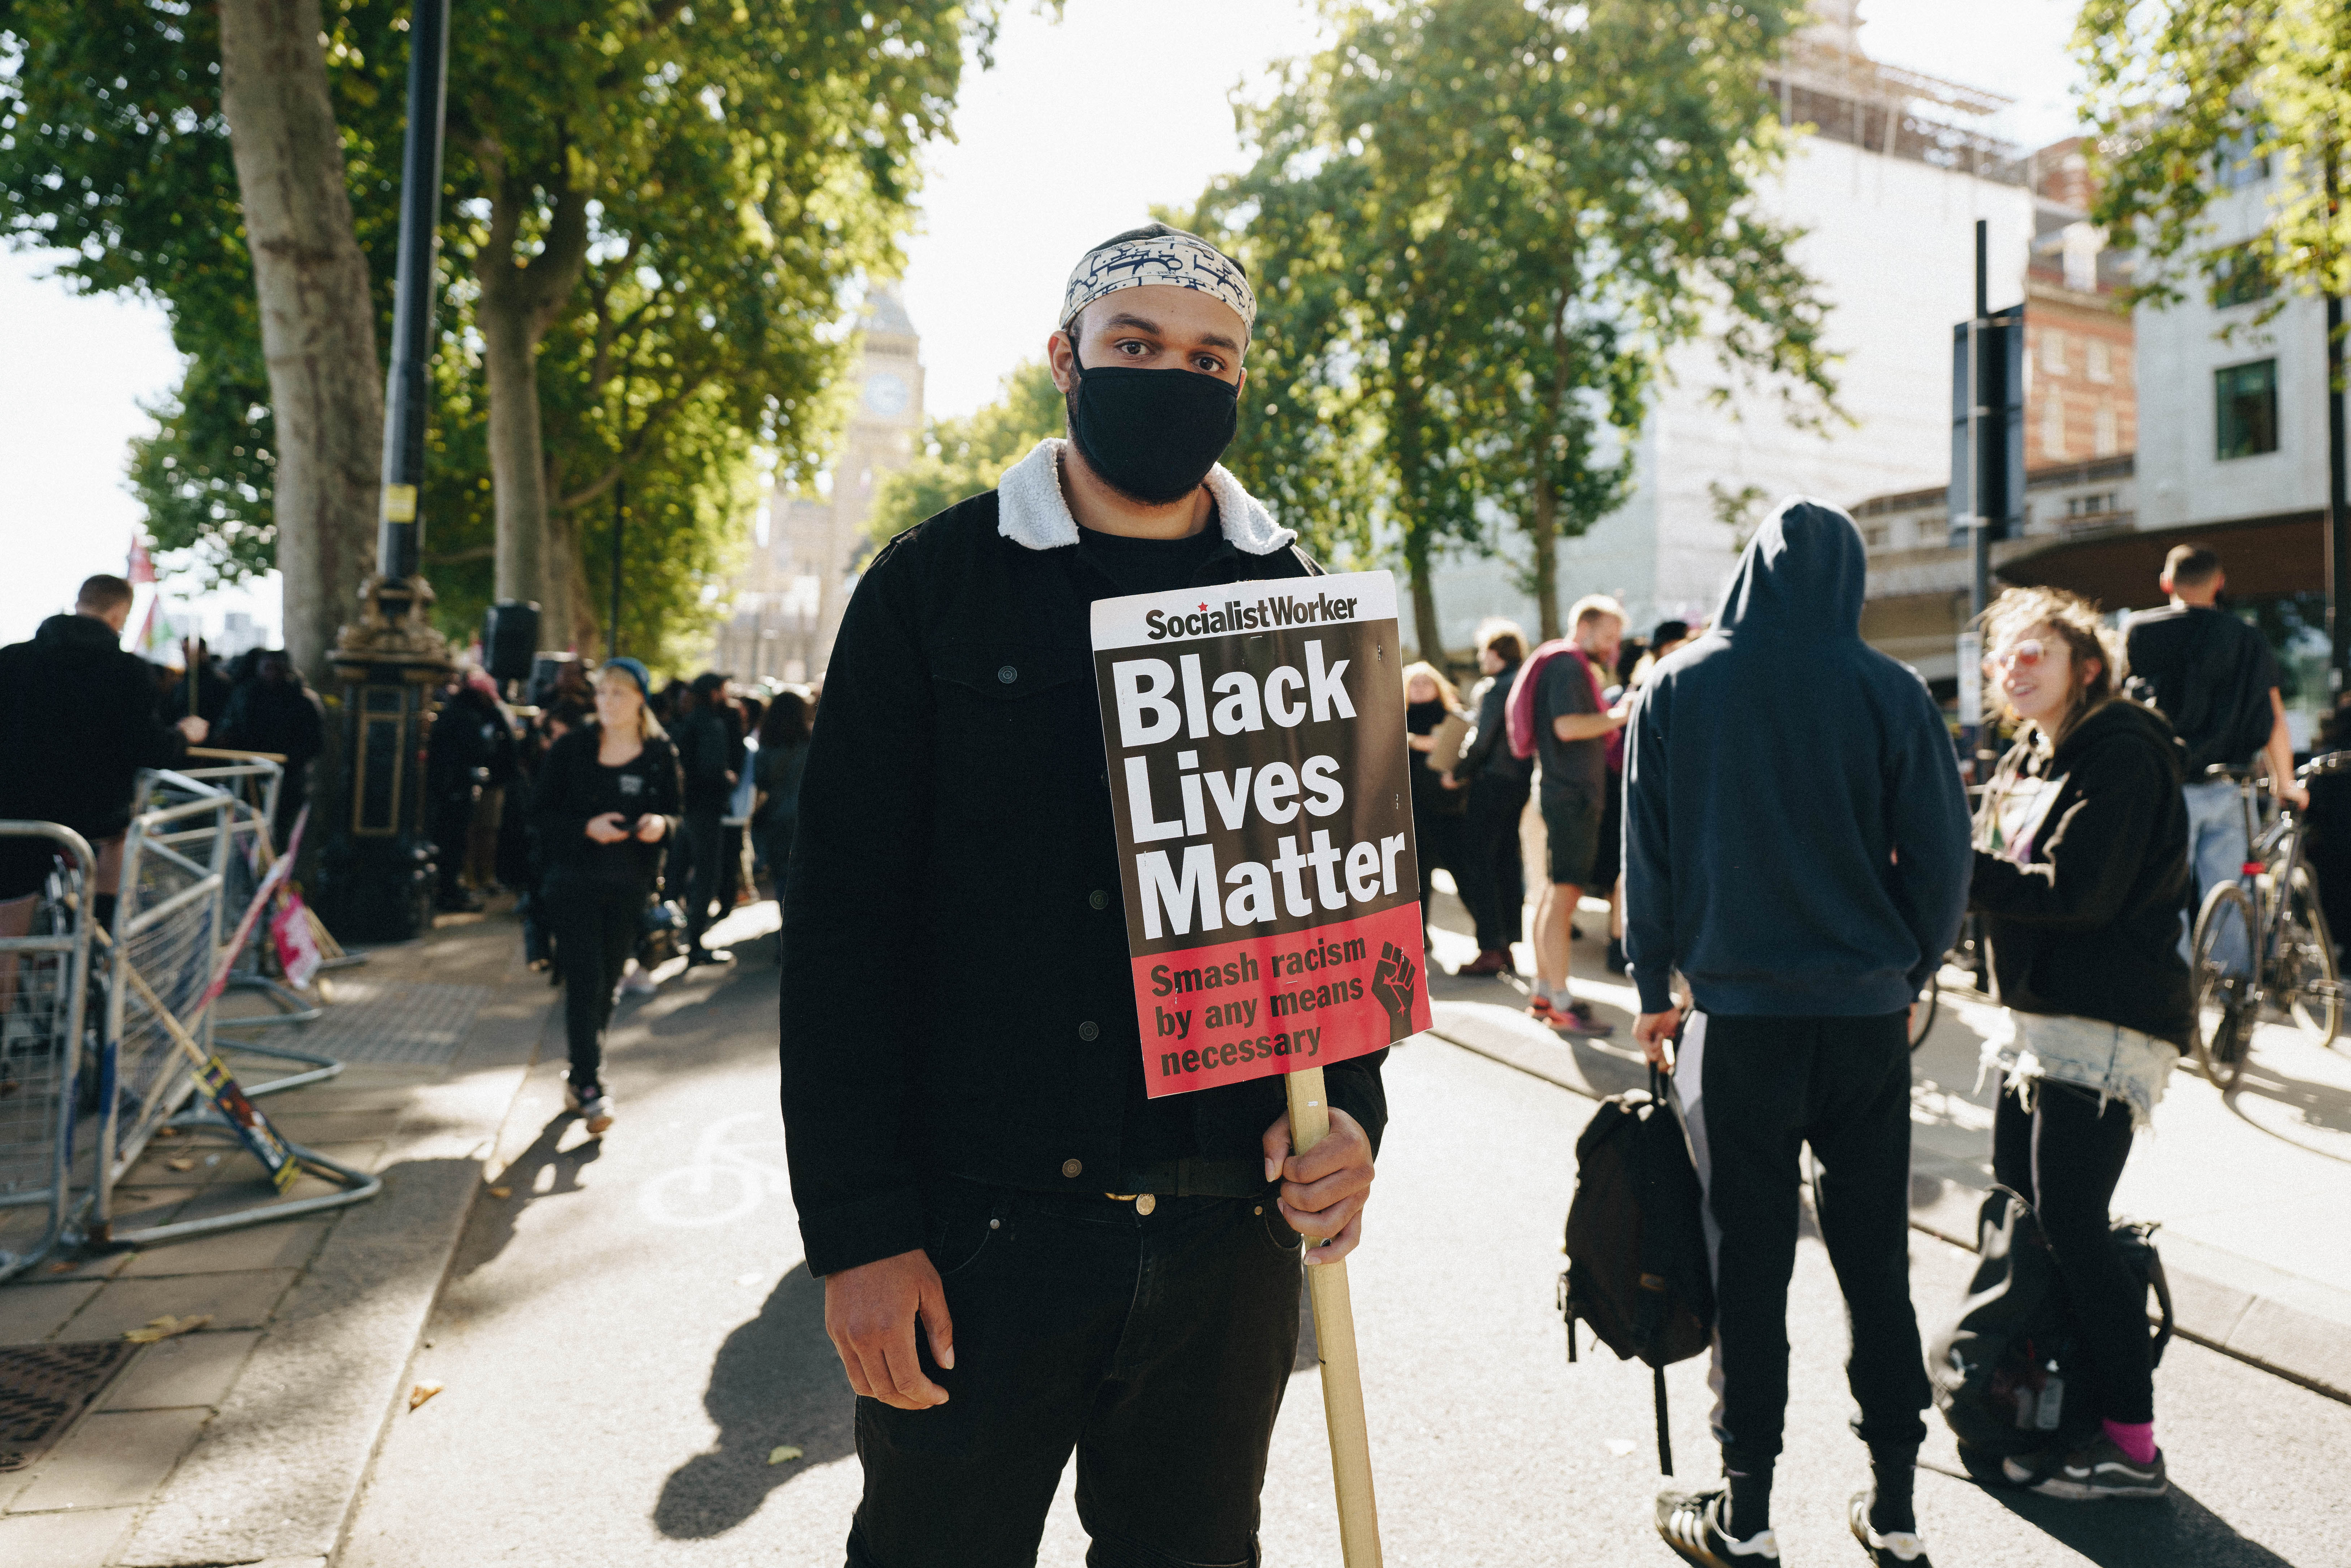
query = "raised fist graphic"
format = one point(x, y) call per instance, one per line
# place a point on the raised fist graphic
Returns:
point(1392, 984)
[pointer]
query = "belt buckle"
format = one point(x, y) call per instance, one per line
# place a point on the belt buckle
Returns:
point(1143, 1202)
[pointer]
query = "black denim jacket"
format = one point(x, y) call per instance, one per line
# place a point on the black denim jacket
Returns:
point(956, 999)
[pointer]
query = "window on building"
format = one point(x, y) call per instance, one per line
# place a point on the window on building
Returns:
point(2053, 352)
point(2101, 360)
point(1875, 535)
point(2240, 276)
point(2105, 440)
point(2245, 401)
point(2237, 164)
point(2053, 427)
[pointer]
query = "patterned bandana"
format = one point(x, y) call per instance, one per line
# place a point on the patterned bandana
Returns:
point(1180, 260)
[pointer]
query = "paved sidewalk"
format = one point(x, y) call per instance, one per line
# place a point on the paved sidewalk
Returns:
point(247, 1440)
point(2253, 1191)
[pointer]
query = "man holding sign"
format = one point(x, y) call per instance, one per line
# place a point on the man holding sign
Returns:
point(1041, 1230)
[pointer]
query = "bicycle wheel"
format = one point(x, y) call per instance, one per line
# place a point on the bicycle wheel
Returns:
point(2222, 972)
point(1922, 1013)
point(2306, 963)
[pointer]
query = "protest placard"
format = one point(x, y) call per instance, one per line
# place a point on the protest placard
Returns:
point(1256, 739)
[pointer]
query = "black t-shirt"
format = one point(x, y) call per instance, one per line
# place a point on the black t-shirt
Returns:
point(2210, 674)
point(1148, 566)
point(1157, 1131)
point(1564, 689)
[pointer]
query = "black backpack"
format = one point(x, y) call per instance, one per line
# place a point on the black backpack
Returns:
point(1638, 1270)
point(2003, 1369)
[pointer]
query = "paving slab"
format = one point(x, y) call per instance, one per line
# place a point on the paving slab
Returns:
point(110, 1459)
point(240, 1300)
point(287, 1244)
point(62, 1539)
point(32, 1313)
point(192, 1369)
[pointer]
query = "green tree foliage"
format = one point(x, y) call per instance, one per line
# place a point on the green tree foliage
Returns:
point(1480, 225)
point(966, 457)
point(2187, 97)
point(715, 178)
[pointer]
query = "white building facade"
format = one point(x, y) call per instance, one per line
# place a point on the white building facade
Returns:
point(1887, 190)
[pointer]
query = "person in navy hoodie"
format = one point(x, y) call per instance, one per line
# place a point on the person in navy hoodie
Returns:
point(1796, 845)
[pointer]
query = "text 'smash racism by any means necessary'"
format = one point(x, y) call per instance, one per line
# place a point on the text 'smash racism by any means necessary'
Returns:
point(1256, 771)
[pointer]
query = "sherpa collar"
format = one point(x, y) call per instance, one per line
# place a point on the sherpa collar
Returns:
point(1031, 512)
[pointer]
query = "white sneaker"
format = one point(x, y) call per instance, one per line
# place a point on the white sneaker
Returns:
point(635, 982)
point(593, 1107)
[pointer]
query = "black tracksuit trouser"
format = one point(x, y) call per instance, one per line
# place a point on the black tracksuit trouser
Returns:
point(706, 842)
point(1765, 1088)
point(2066, 1155)
point(1492, 870)
point(596, 928)
point(1157, 1346)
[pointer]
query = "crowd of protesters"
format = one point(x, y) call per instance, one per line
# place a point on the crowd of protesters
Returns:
point(1771, 810)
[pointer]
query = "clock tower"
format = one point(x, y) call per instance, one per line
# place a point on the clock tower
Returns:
point(789, 597)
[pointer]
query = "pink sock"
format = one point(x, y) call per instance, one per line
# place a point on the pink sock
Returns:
point(2134, 1439)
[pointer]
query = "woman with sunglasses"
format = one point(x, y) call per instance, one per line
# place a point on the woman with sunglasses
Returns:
point(2081, 870)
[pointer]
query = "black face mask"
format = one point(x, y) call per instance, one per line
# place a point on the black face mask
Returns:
point(1152, 435)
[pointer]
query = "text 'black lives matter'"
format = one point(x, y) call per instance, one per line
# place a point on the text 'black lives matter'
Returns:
point(1264, 810)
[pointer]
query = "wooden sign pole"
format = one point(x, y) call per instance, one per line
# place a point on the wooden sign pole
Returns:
point(1335, 1339)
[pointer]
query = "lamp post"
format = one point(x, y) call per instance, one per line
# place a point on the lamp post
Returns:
point(375, 874)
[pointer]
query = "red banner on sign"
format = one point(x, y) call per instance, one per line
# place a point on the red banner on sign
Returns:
point(1231, 1011)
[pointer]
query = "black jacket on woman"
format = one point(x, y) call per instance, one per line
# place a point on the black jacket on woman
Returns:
point(573, 788)
point(2089, 925)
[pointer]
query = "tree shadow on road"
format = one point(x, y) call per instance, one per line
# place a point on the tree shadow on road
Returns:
point(2161, 1532)
point(774, 1381)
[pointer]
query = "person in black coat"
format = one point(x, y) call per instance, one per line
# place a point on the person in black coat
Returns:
point(78, 720)
point(606, 796)
point(710, 751)
point(1491, 871)
point(271, 710)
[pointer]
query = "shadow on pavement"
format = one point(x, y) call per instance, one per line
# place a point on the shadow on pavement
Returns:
point(2129, 1533)
point(774, 1381)
point(495, 1219)
point(2319, 1104)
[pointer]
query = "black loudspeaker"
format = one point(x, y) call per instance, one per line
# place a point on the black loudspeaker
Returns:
point(509, 639)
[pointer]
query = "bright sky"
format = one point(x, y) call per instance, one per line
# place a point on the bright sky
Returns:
point(1081, 126)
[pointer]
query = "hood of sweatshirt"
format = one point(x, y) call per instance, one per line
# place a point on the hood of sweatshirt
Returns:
point(76, 636)
point(1800, 579)
point(2121, 717)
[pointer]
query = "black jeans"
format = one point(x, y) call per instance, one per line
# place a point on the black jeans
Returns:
point(2065, 1156)
point(596, 928)
point(1492, 872)
point(1157, 1347)
point(706, 845)
point(1843, 1085)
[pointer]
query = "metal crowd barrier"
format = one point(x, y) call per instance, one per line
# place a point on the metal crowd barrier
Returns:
point(180, 859)
point(252, 780)
point(44, 980)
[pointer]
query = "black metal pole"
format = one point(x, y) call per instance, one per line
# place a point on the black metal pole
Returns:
point(411, 312)
point(1979, 586)
point(2338, 506)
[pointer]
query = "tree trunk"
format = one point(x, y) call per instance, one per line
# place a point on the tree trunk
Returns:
point(520, 300)
point(518, 476)
point(318, 322)
point(1425, 630)
point(569, 617)
point(1543, 531)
